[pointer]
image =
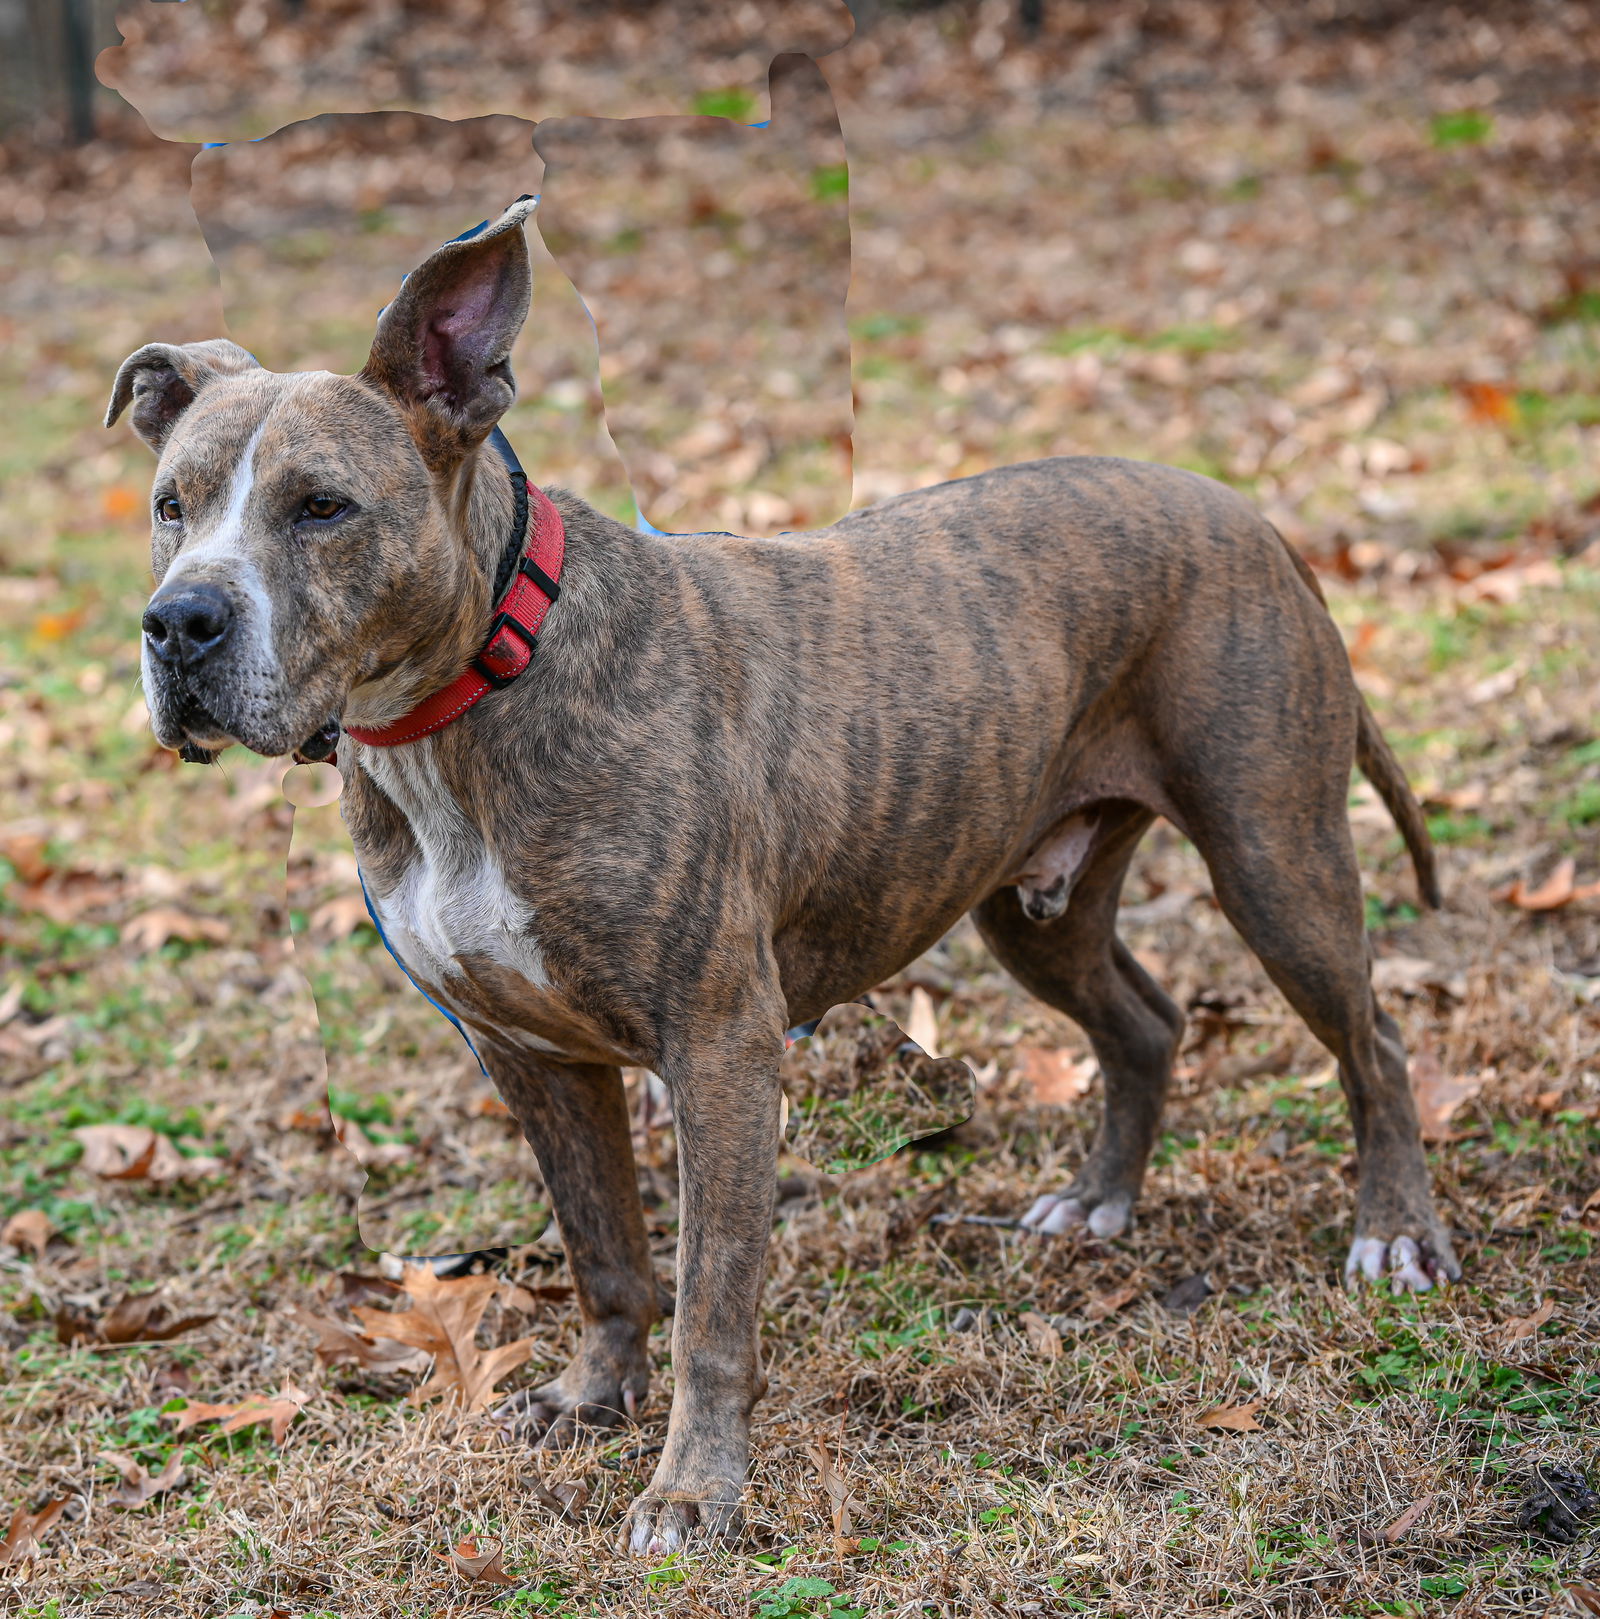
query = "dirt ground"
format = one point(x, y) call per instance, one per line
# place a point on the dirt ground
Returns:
point(1346, 259)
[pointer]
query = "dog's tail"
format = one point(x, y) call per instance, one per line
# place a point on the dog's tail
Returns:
point(1378, 764)
point(1376, 761)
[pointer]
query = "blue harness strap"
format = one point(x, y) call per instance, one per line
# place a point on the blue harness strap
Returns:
point(444, 1011)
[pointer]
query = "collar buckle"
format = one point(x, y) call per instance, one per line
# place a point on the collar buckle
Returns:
point(502, 650)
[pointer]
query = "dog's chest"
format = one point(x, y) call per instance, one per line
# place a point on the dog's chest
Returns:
point(451, 916)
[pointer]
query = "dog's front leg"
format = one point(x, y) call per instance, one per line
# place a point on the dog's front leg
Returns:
point(725, 1099)
point(575, 1117)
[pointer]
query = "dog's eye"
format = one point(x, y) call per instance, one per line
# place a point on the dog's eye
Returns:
point(169, 510)
point(323, 508)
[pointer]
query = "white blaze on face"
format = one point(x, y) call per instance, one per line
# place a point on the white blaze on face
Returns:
point(223, 549)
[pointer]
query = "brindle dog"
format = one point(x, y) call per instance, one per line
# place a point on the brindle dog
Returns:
point(747, 780)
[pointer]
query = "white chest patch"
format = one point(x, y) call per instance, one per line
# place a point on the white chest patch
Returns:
point(453, 899)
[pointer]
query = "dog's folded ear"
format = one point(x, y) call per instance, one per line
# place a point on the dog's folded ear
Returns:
point(443, 348)
point(162, 379)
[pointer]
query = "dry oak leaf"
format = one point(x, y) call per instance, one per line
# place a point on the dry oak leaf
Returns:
point(368, 1153)
point(839, 1491)
point(139, 1318)
point(279, 1410)
point(1407, 1519)
point(1526, 1326)
point(471, 1564)
point(28, 1529)
point(1560, 888)
point(127, 1152)
point(1104, 1304)
point(443, 1320)
point(1042, 1337)
point(338, 1344)
point(1238, 1418)
point(150, 930)
point(1055, 1077)
point(1438, 1094)
point(339, 917)
point(138, 1488)
point(28, 1228)
point(922, 1022)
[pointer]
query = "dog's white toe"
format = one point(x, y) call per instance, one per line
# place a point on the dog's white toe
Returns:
point(1401, 1261)
point(1110, 1219)
point(1052, 1214)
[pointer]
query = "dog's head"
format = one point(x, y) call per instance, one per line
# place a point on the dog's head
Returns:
point(306, 527)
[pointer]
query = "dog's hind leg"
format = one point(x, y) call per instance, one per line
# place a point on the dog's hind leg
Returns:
point(1078, 965)
point(575, 1117)
point(1277, 841)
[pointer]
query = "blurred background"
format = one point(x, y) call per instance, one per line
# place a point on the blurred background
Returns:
point(790, 259)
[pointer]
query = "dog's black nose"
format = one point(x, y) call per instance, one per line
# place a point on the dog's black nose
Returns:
point(188, 625)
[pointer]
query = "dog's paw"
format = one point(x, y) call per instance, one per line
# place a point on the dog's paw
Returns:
point(1409, 1264)
point(548, 1418)
point(1058, 1212)
point(662, 1523)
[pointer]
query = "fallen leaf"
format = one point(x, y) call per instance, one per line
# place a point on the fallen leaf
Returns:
point(922, 1023)
point(171, 1379)
point(1486, 401)
point(443, 1320)
point(840, 1493)
point(1406, 1520)
point(28, 1529)
point(125, 1152)
point(1104, 1304)
point(24, 853)
point(1056, 1078)
point(354, 1288)
point(471, 1564)
point(368, 1153)
point(1438, 1094)
point(1042, 1337)
point(1409, 975)
point(150, 930)
point(1238, 1418)
point(279, 1410)
point(532, 1300)
point(338, 1345)
point(338, 918)
point(1583, 1597)
point(317, 1120)
point(139, 1318)
point(65, 896)
point(1558, 889)
point(28, 1228)
point(138, 1488)
point(1526, 1326)
point(1506, 585)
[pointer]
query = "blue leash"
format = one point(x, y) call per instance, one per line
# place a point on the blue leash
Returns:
point(383, 939)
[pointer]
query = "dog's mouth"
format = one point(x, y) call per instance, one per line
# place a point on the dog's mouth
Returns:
point(204, 735)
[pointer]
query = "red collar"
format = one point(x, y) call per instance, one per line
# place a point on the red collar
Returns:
point(508, 651)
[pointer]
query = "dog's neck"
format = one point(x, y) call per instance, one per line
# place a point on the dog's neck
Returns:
point(461, 582)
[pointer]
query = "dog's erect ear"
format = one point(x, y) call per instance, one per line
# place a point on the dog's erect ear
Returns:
point(443, 348)
point(162, 379)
